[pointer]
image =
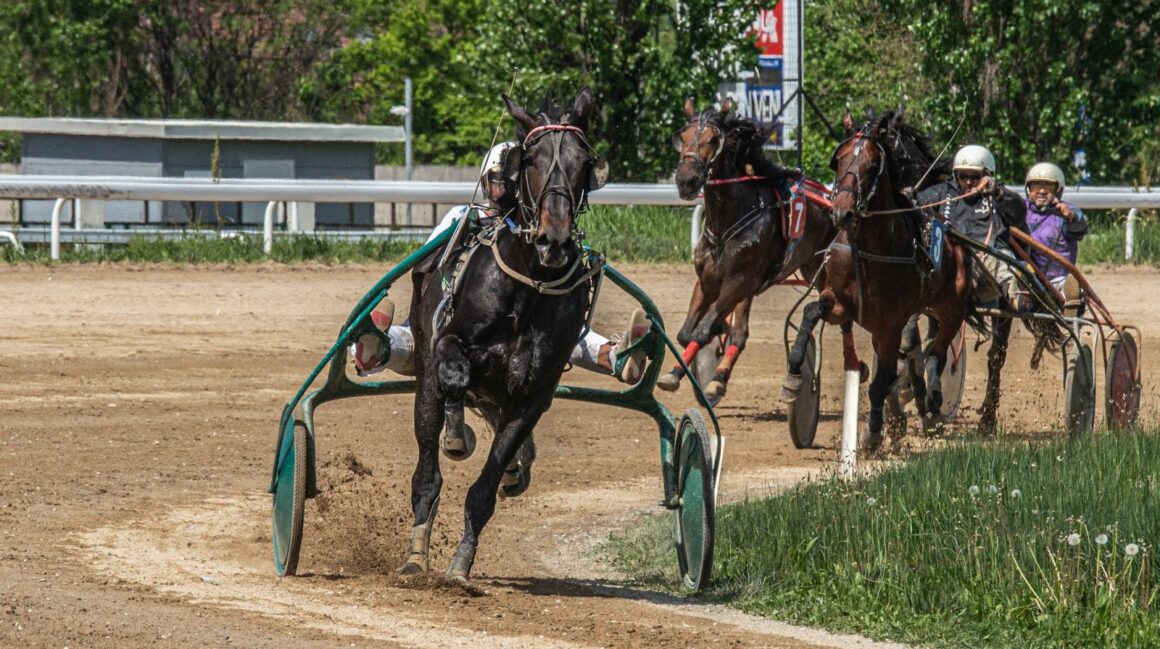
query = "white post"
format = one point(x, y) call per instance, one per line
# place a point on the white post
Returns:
point(54, 236)
point(695, 229)
point(292, 222)
point(11, 238)
point(1130, 235)
point(408, 94)
point(849, 457)
point(268, 227)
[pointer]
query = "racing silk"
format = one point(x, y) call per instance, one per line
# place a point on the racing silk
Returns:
point(981, 218)
point(1050, 229)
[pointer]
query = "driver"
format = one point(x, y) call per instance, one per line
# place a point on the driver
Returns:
point(392, 347)
point(984, 214)
point(1058, 225)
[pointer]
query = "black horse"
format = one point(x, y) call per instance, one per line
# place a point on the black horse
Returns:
point(502, 342)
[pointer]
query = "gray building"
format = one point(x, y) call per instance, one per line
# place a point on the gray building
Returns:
point(185, 148)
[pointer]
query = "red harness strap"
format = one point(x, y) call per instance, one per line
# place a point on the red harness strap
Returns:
point(739, 179)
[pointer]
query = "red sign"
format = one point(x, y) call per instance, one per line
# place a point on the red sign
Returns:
point(768, 28)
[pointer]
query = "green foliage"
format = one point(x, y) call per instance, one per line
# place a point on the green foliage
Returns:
point(1021, 71)
point(639, 234)
point(1002, 545)
point(1104, 243)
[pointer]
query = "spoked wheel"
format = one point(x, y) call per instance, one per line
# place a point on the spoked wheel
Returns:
point(1122, 404)
point(1079, 389)
point(802, 413)
point(290, 497)
point(704, 367)
point(954, 375)
point(696, 512)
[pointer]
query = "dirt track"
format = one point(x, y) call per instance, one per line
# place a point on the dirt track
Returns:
point(137, 422)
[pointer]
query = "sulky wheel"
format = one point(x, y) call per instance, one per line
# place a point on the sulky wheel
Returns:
point(290, 497)
point(1079, 389)
point(802, 413)
point(954, 375)
point(695, 514)
point(1122, 405)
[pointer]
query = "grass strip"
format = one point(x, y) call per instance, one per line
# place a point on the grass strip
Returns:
point(994, 545)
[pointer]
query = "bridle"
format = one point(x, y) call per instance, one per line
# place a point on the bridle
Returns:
point(700, 165)
point(578, 204)
point(861, 200)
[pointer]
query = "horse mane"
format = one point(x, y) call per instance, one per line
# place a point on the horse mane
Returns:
point(910, 153)
point(744, 139)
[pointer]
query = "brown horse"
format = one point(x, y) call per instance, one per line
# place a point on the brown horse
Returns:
point(744, 248)
point(878, 273)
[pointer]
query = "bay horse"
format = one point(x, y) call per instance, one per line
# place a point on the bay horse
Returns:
point(502, 344)
point(744, 248)
point(878, 273)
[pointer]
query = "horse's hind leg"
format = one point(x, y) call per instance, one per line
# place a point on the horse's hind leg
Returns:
point(738, 335)
point(996, 358)
point(481, 497)
point(453, 373)
point(426, 482)
point(811, 314)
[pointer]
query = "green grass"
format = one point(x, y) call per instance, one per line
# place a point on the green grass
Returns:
point(968, 547)
point(1104, 243)
point(637, 234)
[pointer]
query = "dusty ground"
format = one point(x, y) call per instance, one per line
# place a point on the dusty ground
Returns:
point(137, 421)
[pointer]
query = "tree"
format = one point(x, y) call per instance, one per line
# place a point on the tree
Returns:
point(641, 58)
point(1026, 72)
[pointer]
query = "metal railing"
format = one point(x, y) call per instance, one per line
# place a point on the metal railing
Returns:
point(291, 192)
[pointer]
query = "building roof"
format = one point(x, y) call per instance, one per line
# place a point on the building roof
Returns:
point(183, 129)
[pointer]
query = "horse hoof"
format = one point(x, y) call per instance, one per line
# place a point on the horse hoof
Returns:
point(515, 481)
point(669, 382)
point(457, 447)
point(791, 385)
point(410, 568)
point(715, 389)
point(871, 441)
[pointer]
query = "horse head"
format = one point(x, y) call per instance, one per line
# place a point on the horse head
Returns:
point(714, 142)
point(859, 163)
point(551, 173)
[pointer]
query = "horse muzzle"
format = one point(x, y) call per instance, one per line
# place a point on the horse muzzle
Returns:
point(552, 253)
point(690, 180)
point(843, 218)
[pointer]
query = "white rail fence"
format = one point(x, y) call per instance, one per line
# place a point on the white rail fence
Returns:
point(287, 194)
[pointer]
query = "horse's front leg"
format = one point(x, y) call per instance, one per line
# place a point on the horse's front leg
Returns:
point(453, 375)
point(427, 481)
point(698, 304)
point(886, 345)
point(738, 335)
point(811, 314)
point(515, 427)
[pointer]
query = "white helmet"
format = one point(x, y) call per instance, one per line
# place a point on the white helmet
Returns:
point(494, 159)
point(1046, 172)
point(976, 158)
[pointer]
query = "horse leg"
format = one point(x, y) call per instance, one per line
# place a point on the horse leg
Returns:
point(698, 303)
point(811, 314)
point(452, 374)
point(911, 352)
point(480, 503)
point(738, 335)
point(517, 475)
point(996, 358)
point(426, 482)
point(886, 346)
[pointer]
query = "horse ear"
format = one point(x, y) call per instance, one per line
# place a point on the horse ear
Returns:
point(848, 123)
point(525, 119)
point(581, 108)
point(690, 111)
point(900, 114)
point(884, 123)
point(598, 174)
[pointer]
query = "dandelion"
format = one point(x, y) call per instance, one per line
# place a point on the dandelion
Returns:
point(974, 490)
point(1015, 493)
point(1073, 539)
point(993, 489)
point(1101, 539)
point(871, 501)
point(1131, 549)
point(1139, 484)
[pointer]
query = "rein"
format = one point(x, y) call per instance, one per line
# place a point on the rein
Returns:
point(725, 181)
point(551, 287)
